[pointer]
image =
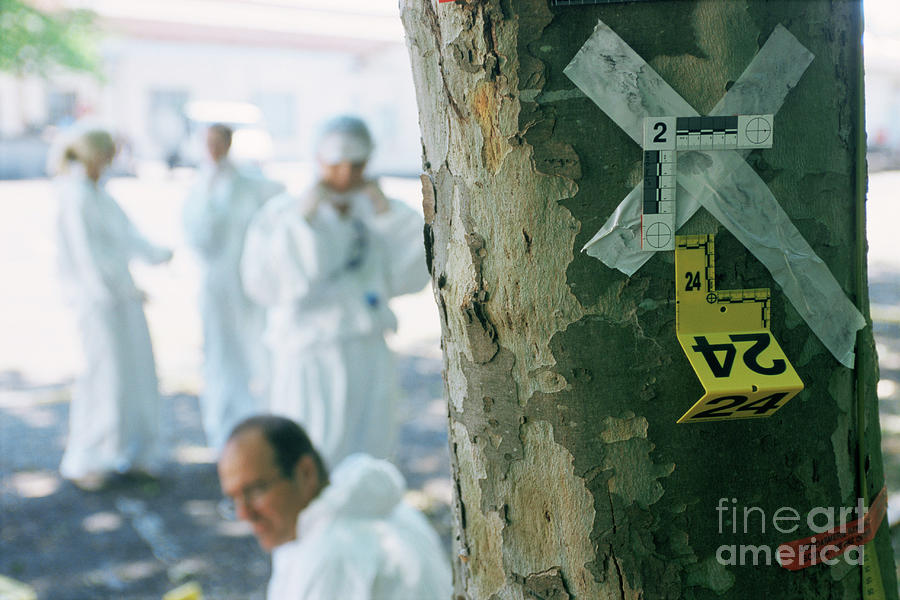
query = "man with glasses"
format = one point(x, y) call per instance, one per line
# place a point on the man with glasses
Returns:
point(347, 536)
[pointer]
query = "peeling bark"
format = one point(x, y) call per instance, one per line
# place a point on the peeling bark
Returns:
point(564, 379)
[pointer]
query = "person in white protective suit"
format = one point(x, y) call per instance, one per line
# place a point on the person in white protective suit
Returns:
point(216, 215)
point(347, 536)
point(325, 264)
point(115, 407)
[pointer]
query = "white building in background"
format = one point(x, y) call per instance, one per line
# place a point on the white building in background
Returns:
point(883, 91)
point(881, 48)
point(296, 61)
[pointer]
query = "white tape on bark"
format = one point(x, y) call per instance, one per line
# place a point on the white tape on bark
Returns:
point(627, 89)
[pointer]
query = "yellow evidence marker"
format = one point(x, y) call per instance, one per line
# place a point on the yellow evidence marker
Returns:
point(726, 337)
point(188, 591)
point(10, 589)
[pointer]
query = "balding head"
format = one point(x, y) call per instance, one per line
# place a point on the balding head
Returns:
point(271, 473)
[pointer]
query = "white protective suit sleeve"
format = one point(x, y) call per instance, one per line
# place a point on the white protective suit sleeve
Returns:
point(99, 240)
point(401, 229)
point(79, 257)
point(209, 211)
point(285, 256)
point(133, 243)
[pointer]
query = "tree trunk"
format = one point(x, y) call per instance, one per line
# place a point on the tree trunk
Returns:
point(564, 377)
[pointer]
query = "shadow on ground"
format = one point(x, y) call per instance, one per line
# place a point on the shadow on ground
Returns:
point(137, 539)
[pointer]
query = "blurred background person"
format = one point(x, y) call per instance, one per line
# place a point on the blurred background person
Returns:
point(347, 535)
point(216, 215)
point(325, 263)
point(171, 130)
point(115, 408)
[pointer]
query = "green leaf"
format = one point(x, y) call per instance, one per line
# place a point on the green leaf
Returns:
point(34, 42)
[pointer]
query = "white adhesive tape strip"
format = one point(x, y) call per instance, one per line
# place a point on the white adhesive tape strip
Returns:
point(627, 89)
point(753, 215)
point(622, 84)
point(761, 88)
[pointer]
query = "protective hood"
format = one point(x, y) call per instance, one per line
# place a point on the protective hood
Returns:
point(344, 139)
point(361, 487)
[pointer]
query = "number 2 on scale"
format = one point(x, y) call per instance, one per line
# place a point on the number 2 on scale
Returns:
point(661, 128)
point(659, 133)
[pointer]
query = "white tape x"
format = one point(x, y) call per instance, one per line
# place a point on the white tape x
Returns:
point(627, 89)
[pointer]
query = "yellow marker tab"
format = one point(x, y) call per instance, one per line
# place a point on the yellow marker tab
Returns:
point(726, 337)
point(188, 591)
point(10, 589)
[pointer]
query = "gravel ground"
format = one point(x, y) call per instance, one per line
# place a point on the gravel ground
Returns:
point(137, 539)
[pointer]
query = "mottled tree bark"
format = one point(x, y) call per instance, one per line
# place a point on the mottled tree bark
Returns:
point(564, 378)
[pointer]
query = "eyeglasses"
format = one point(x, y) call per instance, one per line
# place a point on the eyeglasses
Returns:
point(249, 495)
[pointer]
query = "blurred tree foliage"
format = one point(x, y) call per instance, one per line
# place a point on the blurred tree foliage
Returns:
point(34, 42)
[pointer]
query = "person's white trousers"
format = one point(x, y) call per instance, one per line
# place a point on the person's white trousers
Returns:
point(343, 393)
point(115, 408)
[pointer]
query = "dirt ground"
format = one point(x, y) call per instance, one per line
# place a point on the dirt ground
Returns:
point(139, 539)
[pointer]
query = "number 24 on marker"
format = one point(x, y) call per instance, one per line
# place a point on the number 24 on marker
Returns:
point(746, 375)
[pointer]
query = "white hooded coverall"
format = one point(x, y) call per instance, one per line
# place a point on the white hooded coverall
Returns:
point(216, 215)
point(115, 407)
point(357, 540)
point(327, 280)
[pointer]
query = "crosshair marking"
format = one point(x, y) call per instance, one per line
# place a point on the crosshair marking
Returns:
point(758, 130)
point(658, 235)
